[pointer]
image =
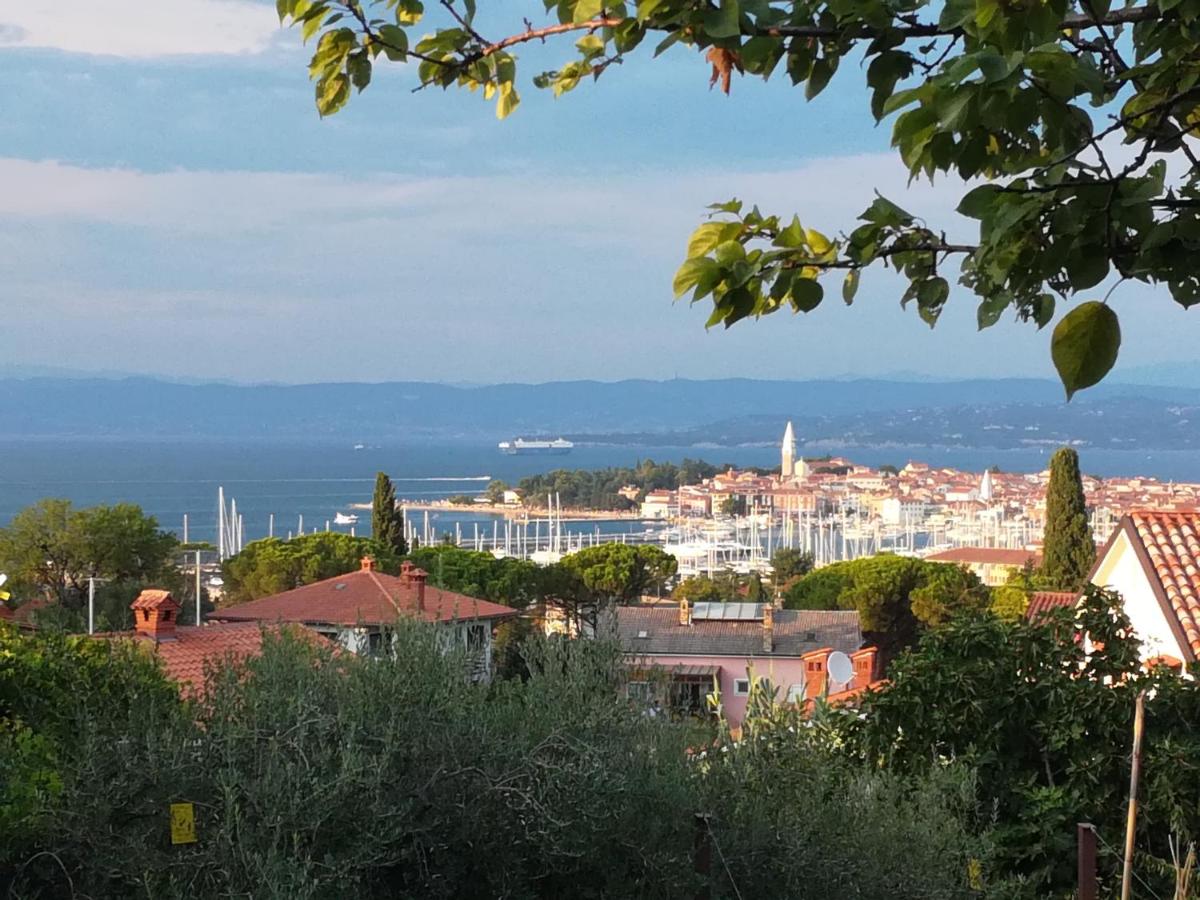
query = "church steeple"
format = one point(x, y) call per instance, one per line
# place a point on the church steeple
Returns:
point(788, 453)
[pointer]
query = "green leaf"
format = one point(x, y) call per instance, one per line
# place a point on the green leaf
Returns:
point(395, 42)
point(691, 273)
point(850, 286)
point(990, 310)
point(723, 22)
point(729, 252)
point(792, 236)
point(332, 94)
point(978, 201)
point(587, 9)
point(822, 71)
point(409, 12)
point(507, 101)
point(705, 238)
point(806, 295)
point(1084, 345)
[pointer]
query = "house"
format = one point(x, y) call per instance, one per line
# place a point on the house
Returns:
point(728, 644)
point(992, 564)
point(1041, 602)
point(358, 610)
point(1153, 560)
point(658, 504)
point(185, 650)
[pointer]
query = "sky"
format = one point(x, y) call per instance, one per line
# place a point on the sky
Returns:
point(172, 204)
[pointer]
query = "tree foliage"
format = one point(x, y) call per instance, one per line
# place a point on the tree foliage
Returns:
point(1068, 549)
point(512, 582)
point(387, 522)
point(272, 565)
point(52, 549)
point(1035, 99)
point(788, 563)
point(895, 596)
point(1047, 725)
point(598, 488)
point(316, 775)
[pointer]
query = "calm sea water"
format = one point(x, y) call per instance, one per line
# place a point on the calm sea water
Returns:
point(318, 480)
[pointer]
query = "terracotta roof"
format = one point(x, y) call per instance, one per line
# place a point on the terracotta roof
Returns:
point(185, 655)
point(1171, 541)
point(1041, 602)
point(796, 632)
point(987, 556)
point(362, 598)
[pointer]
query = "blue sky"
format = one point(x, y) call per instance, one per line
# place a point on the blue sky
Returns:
point(171, 203)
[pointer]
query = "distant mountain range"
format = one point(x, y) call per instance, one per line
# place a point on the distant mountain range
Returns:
point(999, 413)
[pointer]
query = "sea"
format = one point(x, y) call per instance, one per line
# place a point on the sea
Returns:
point(317, 480)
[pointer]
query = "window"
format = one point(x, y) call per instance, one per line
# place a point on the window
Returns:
point(741, 687)
point(639, 691)
point(476, 638)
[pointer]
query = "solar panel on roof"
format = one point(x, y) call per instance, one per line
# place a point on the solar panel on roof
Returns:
point(727, 612)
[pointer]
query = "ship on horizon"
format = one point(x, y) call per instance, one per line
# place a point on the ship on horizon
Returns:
point(521, 447)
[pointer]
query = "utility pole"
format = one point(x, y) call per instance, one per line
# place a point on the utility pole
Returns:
point(91, 606)
point(1135, 770)
point(197, 587)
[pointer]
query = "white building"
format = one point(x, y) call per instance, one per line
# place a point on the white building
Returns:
point(1153, 561)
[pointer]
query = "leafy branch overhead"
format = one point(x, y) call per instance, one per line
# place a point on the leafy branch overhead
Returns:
point(1073, 120)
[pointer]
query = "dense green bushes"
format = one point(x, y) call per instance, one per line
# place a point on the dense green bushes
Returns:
point(317, 776)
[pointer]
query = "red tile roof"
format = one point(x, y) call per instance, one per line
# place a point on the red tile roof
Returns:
point(363, 598)
point(1171, 541)
point(184, 656)
point(987, 556)
point(1041, 602)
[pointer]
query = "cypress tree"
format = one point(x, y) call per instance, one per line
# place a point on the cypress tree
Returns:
point(387, 525)
point(1068, 550)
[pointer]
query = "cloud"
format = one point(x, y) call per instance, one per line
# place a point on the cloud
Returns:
point(638, 208)
point(137, 30)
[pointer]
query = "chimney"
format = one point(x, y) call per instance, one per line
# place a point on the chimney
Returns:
point(864, 662)
point(406, 569)
point(815, 672)
point(154, 614)
point(417, 577)
point(368, 563)
point(685, 612)
point(768, 628)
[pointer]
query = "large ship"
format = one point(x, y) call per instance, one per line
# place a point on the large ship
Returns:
point(521, 447)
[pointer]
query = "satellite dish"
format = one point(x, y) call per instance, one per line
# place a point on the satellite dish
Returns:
point(841, 670)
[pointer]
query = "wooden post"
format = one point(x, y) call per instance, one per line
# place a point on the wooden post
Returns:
point(1086, 833)
point(1135, 770)
point(702, 856)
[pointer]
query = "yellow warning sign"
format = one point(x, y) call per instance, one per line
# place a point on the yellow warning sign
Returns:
point(183, 823)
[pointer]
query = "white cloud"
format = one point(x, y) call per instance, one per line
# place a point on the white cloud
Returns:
point(137, 29)
point(642, 208)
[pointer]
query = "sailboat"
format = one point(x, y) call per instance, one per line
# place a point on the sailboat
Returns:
point(344, 519)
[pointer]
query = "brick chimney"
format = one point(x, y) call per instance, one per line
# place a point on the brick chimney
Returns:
point(367, 563)
point(768, 628)
point(815, 671)
point(864, 661)
point(406, 569)
point(154, 615)
point(417, 577)
point(685, 612)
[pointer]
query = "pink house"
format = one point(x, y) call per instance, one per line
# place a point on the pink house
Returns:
point(729, 644)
